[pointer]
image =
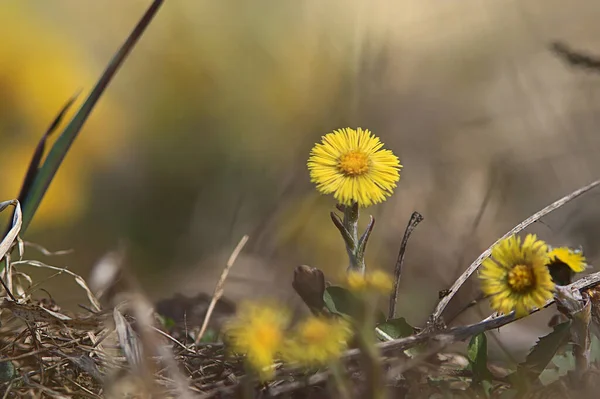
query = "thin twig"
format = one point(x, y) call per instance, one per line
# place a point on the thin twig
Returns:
point(219, 288)
point(576, 58)
point(434, 318)
point(468, 240)
point(170, 338)
point(415, 219)
point(474, 302)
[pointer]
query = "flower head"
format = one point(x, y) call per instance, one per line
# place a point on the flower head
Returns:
point(258, 332)
point(516, 276)
point(377, 280)
point(317, 340)
point(563, 263)
point(351, 165)
point(356, 281)
point(380, 281)
point(572, 258)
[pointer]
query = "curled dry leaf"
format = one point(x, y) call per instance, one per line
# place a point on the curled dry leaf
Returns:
point(594, 296)
point(309, 283)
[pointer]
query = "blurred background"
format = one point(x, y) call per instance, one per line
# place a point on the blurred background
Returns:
point(203, 136)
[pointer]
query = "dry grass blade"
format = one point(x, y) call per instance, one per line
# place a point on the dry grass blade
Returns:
point(220, 284)
point(36, 159)
point(132, 348)
point(435, 317)
point(8, 241)
point(78, 279)
point(38, 314)
point(45, 251)
point(106, 272)
point(11, 236)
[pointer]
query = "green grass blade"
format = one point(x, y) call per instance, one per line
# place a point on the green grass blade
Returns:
point(36, 159)
point(47, 171)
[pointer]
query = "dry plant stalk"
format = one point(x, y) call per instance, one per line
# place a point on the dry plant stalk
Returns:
point(219, 289)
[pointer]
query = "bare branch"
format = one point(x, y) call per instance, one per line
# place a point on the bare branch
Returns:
point(415, 219)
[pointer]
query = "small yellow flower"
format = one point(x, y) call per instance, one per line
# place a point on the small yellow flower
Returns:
point(351, 165)
point(563, 263)
point(516, 277)
point(376, 280)
point(380, 281)
point(258, 332)
point(574, 259)
point(356, 281)
point(317, 340)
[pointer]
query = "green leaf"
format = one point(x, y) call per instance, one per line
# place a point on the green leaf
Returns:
point(36, 159)
point(397, 328)
point(340, 301)
point(477, 355)
point(40, 183)
point(168, 323)
point(544, 350)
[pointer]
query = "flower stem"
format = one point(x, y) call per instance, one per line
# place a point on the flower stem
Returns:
point(247, 383)
point(371, 362)
point(355, 255)
point(340, 380)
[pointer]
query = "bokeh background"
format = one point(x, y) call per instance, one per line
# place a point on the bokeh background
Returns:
point(204, 133)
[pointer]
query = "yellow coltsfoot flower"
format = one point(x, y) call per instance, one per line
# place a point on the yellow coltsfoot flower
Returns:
point(317, 340)
point(351, 165)
point(258, 332)
point(516, 277)
point(377, 281)
point(564, 262)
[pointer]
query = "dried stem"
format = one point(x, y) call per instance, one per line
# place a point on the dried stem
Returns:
point(220, 285)
point(415, 219)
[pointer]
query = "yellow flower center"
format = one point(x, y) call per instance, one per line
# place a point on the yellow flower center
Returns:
point(354, 163)
point(267, 336)
point(521, 278)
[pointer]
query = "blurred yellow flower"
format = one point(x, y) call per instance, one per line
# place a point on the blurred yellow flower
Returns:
point(317, 340)
point(516, 277)
point(258, 332)
point(356, 281)
point(380, 281)
point(377, 280)
point(351, 165)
